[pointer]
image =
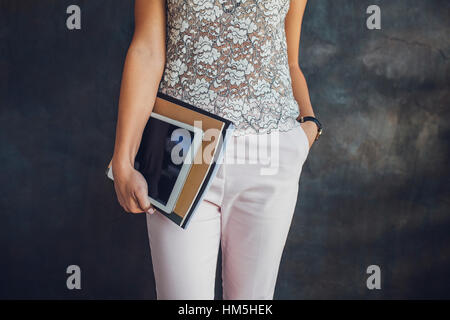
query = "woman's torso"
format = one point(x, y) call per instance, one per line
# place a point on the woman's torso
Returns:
point(229, 57)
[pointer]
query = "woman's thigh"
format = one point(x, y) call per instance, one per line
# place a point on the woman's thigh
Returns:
point(256, 216)
point(184, 260)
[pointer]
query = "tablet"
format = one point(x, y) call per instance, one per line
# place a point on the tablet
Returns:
point(165, 156)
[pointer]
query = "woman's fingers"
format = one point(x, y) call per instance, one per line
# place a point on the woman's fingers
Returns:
point(122, 198)
point(132, 191)
point(128, 202)
point(143, 200)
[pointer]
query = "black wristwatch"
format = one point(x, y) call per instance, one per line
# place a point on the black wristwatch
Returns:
point(317, 122)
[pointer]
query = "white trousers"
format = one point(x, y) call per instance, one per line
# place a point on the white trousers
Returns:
point(247, 209)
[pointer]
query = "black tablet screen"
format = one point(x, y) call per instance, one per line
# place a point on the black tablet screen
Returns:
point(160, 157)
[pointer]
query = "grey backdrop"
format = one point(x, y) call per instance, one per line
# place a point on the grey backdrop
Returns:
point(374, 190)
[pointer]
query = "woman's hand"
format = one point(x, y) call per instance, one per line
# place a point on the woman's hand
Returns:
point(131, 189)
point(310, 129)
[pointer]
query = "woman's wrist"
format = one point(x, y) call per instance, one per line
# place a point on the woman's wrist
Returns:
point(305, 119)
point(311, 125)
point(121, 163)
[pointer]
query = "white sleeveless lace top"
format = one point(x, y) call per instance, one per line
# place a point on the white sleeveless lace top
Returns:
point(229, 57)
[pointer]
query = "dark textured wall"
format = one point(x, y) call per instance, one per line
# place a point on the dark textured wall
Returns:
point(374, 190)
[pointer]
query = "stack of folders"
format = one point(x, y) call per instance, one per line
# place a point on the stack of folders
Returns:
point(177, 159)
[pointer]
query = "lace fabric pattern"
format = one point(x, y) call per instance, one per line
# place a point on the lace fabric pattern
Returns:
point(229, 57)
